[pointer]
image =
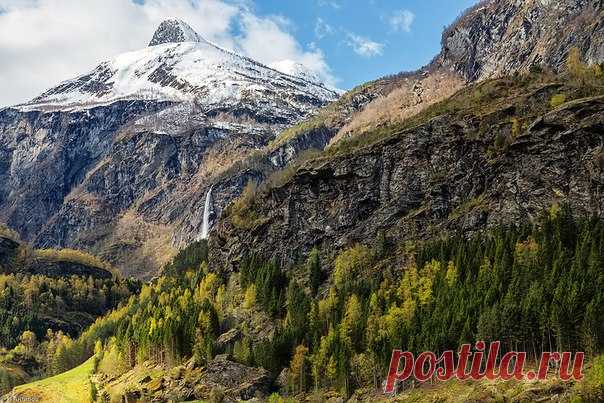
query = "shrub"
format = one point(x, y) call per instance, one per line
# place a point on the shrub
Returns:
point(250, 297)
point(6, 232)
point(275, 398)
point(516, 127)
point(557, 100)
point(280, 178)
point(112, 363)
point(592, 387)
point(574, 65)
point(93, 391)
point(216, 396)
point(241, 210)
point(242, 351)
point(501, 141)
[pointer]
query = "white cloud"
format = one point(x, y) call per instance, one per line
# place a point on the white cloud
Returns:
point(322, 29)
point(330, 3)
point(402, 20)
point(43, 42)
point(364, 46)
point(267, 41)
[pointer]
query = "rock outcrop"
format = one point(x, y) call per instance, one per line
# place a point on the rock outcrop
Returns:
point(491, 39)
point(174, 31)
point(221, 377)
point(441, 175)
point(495, 38)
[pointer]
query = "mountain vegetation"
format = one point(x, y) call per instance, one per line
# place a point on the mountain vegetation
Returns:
point(47, 299)
point(533, 287)
point(330, 321)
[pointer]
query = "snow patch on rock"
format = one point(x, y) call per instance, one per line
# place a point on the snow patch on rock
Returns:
point(296, 69)
point(174, 31)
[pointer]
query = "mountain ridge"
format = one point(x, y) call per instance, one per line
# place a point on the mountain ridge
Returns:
point(128, 180)
point(175, 31)
point(179, 65)
point(453, 170)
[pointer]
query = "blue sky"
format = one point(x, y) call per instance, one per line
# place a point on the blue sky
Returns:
point(373, 20)
point(343, 42)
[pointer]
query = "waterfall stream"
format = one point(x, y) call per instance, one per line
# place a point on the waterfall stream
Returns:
point(207, 208)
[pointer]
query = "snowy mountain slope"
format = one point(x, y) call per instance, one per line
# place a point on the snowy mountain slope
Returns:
point(296, 69)
point(179, 65)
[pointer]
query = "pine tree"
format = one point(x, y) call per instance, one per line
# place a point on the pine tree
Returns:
point(313, 265)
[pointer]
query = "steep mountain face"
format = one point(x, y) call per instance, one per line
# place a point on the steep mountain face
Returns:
point(179, 66)
point(118, 161)
point(174, 31)
point(500, 37)
point(130, 150)
point(458, 170)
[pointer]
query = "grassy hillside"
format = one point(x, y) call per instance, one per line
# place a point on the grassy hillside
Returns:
point(72, 386)
point(514, 101)
point(75, 386)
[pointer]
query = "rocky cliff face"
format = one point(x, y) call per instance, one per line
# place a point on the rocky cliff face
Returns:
point(462, 170)
point(121, 167)
point(118, 161)
point(500, 37)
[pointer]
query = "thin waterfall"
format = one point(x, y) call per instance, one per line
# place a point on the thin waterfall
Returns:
point(207, 209)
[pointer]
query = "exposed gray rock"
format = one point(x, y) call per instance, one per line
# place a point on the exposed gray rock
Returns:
point(174, 31)
point(114, 179)
point(500, 37)
point(236, 380)
point(228, 339)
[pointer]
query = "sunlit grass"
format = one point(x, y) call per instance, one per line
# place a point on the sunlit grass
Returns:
point(67, 387)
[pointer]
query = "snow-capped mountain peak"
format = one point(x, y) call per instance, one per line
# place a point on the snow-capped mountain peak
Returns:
point(174, 31)
point(179, 65)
